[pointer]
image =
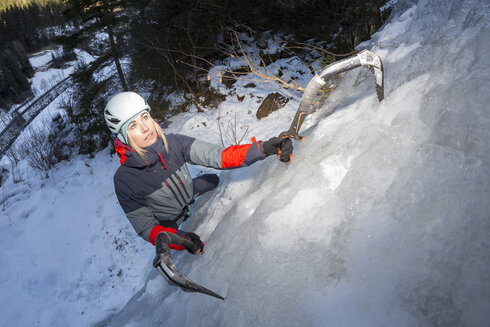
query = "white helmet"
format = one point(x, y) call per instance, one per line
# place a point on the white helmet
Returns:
point(122, 108)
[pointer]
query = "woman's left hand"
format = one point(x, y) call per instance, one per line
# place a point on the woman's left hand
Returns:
point(194, 244)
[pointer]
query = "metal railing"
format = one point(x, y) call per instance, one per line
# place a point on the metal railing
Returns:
point(22, 119)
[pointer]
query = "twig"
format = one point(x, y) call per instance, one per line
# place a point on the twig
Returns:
point(309, 46)
point(218, 118)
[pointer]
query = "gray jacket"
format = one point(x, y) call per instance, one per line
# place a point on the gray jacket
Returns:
point(155, 193)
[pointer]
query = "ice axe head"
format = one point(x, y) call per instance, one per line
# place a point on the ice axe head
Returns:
point(375, 65)
point(364, 58)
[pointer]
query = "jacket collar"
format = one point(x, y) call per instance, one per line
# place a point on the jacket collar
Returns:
point(129, 158)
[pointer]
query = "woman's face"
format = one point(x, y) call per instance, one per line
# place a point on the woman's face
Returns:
point(142, 131)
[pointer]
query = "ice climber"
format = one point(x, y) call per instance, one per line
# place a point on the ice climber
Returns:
point(153, 184)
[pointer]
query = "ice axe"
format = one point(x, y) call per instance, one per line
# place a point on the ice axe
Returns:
point(363, 58)
point(165, 266)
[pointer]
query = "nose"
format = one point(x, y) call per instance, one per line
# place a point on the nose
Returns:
point(145, 127)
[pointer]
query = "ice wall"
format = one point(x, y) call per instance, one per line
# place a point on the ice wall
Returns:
point(382, 219)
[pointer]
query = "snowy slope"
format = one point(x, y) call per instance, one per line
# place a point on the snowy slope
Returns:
point(382, 219)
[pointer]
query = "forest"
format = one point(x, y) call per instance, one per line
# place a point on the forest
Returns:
point(161, 47)
point(24, 29)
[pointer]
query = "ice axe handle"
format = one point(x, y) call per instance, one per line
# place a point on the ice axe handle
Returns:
point(164, 239)
point(307, 99)
point(295, 126)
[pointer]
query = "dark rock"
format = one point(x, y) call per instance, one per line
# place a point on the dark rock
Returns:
point(249, 85)
point(272, 102)
point(212, 99)
point(228, 79)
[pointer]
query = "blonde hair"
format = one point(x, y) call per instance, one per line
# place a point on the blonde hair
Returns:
point(142, 152)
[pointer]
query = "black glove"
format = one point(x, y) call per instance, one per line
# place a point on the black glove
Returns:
point(283, 147)
point(194, 244)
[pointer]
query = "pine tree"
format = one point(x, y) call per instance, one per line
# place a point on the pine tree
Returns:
point(12, 89)
point(7, 86)
point(22, 59)
point(98, 16)
point(15, 68)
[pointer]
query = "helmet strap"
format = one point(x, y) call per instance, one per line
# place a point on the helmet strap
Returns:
point(120, 137)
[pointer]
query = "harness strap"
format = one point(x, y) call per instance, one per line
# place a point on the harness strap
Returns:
point(174, 223)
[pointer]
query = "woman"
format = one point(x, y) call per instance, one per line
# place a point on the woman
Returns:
point(153, 184)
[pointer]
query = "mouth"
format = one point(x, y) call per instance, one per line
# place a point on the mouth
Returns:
point(150, 136)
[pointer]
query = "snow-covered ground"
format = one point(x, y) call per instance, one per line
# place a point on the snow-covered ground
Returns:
point(382, 219)
point(46, 76)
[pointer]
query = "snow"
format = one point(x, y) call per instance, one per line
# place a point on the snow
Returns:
point(41, 59)
point(389, 4)
point(51, 241)
point(381, 219)
point(45, 78)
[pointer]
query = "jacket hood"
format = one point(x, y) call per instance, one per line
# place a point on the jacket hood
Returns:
point(129, 158)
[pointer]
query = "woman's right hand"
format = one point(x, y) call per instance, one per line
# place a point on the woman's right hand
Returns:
point(282, 147)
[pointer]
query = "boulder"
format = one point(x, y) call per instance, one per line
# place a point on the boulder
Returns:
point(271, 103)
point(212, 99)
point(228, 79)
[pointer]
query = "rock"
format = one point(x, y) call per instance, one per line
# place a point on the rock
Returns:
point(212, 99)
point(228, 79)
point(272, 102)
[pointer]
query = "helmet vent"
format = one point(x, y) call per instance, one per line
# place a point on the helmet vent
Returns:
point(114, 120)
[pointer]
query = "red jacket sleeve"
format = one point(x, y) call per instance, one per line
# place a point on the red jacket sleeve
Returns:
point(241, 155)
point(157, 230)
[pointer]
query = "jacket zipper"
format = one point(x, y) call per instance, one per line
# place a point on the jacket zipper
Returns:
point(163, 162)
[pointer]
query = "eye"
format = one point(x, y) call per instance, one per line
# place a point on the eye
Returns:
point(132, 126)
point(146, 116)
